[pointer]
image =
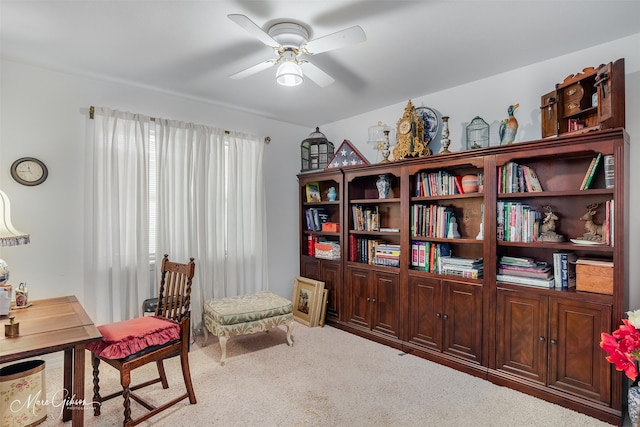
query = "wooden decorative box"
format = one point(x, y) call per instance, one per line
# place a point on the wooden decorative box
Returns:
point(331, 227)
point(594, 276)
point(586, 101)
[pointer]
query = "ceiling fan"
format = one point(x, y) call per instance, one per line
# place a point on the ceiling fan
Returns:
point(291, 43)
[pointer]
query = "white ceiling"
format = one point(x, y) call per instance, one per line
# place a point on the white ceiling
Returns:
point(413, 48)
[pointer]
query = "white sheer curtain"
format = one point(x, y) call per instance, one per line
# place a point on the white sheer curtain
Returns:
point(211, 207)
point(118, 217)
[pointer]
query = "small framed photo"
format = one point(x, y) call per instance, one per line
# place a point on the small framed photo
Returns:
point(307, 300)
point(313, 192)
point(323, 308)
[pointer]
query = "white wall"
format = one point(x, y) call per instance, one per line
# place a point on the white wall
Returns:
point(43, 114)
point(489, 99)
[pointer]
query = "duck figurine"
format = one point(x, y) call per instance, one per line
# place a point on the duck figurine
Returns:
point(509, 126)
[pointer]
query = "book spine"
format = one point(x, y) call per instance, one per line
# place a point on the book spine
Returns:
point(564, 271)
point(557, 269)
point(311, 245)
point(593, 171)
point(586, 175)
point(609, 171)
point(353, 248)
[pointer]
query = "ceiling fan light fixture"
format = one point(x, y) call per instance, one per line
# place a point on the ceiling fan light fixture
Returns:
point(289, 74)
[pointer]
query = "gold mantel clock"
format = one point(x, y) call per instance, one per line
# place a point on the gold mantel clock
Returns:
point(410, 140)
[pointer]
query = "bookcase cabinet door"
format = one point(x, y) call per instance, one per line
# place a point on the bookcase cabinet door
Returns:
point(385, 302)
point(522, 323)
point(577, 364)
point(374, 301)
point(330, 271)
point(358, 296)
point(310, 267)
point(425, 312)
point(553, 341)
point(462, 320)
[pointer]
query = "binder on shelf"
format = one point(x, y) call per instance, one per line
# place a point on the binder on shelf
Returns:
point(609, 171)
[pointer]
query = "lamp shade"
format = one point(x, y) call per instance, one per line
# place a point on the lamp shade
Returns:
point(9, 236)
point(289, 74)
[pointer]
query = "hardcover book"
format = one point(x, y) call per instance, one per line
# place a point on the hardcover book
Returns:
point(313, 192)
point(593, 171)
point(609, 171)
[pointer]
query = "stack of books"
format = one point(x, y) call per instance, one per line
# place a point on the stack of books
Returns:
point(525, 271)
point(472, 268)
point(386, 254)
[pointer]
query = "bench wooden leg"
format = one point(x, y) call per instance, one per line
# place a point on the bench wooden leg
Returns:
point(289, 330)
point(223, 348)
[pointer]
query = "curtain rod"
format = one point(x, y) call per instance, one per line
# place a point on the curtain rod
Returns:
point(267, 139)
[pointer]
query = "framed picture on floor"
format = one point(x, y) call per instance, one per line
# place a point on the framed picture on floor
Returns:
point(307, 300)
point(323, 307)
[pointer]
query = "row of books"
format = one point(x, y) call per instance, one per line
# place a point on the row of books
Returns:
point(437, 258)
point(515, 178)
point(430, 220)
point(440, 183)
point(315, 218)
point(373, 251)
point(564, 269)
point(607, 225)
point(366, 218)
point(609, 171)
point(517, 222)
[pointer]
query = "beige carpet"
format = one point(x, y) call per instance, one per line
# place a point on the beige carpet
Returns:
point(328, 378)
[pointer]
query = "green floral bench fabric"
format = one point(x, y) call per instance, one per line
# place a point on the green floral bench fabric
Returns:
point(246, 314)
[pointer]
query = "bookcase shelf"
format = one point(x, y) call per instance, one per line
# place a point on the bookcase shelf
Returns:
point(483, 326)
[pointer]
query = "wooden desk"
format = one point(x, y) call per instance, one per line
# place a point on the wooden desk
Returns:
point(48, 326)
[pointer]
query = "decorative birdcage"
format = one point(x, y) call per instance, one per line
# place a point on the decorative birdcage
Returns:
point(315, 151)
point(477, 134)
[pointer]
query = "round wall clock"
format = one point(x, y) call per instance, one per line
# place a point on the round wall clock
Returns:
point(29, 171)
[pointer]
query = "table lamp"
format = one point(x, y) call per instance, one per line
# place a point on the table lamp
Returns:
point(9, 236)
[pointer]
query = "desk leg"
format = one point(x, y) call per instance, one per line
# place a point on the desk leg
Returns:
point(78, 386)
point(67, 382)
point(74, 384)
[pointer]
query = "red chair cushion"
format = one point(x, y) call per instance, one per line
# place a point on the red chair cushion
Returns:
point(121, 339)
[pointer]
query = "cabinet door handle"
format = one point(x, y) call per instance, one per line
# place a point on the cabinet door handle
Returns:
point(373, 300)
point(554, 342)
point(368, 299)
point(541, 339)
point(438, 315)
point(445, 317)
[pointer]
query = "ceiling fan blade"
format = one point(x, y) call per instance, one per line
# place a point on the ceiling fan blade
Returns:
point(335, 40)
point(318, 76)
point(253, 28)
point(253, 70)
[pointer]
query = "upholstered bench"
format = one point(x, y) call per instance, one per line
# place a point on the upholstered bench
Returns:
point(246, 314)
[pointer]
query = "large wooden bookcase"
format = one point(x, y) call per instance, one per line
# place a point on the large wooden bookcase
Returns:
point(543, 342)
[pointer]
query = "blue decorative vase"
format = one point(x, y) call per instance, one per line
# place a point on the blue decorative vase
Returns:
point(332, 195)
point(384, 186)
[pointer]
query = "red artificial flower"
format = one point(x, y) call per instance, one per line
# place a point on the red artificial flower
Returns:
point(623, 348)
